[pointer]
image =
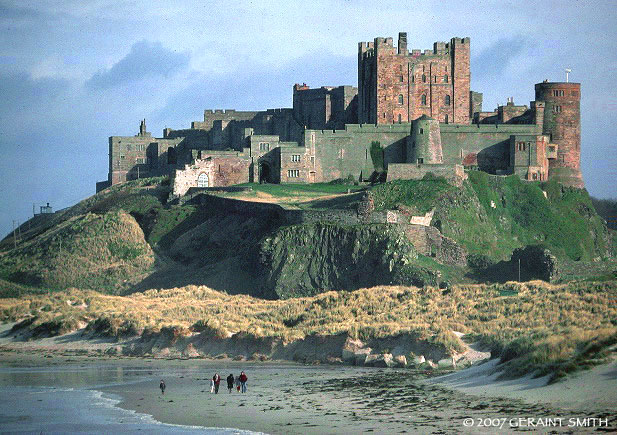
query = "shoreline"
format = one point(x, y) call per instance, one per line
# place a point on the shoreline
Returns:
point(290, 398)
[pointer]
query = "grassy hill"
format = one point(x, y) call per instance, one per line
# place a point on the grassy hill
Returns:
point(131, 238)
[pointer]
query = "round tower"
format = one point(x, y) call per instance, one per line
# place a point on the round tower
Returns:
point(426, 141)
point(562, 121)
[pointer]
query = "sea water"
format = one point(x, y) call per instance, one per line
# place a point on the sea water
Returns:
point(65, 400)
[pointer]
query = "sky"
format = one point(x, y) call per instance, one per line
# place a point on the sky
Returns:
point(74, 72)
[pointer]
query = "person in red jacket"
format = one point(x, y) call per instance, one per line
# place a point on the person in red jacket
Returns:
point(243, 380)
point(216, 379)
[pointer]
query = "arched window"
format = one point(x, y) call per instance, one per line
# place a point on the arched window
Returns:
point(400, 118)
point(400, 99)
point(446, 119)
point(423, 100)
point(447, 100)
point(202, 180)
point(445, 78)
point(423, 78)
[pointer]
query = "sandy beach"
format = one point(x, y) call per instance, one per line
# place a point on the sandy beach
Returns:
point(299, 399)
point(589, 391)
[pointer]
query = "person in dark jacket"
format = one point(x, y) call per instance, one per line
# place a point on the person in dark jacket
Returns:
point(162, 386)
point(243, 378)
point(230, 382)
point(217, 381)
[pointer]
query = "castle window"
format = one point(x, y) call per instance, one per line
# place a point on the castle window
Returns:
point(445, 119)
point(122, 156)
point(202, 180)
point(384, 115)
point(172, 158)
point(423, 78)
point(413, 79)
point(400, 118)
point(535, 176)
point(551, 149)
point(421, 131)
point(402, 79)
point(445, 78)
point(293, 173)
point(264, 146)
point(420, 161)
point(423, 100)
point(447, 100)
point(558, 93)
point(556, 109)
point(295, 157)
point(400, 99)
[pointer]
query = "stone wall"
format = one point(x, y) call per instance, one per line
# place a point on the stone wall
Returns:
point(430, 242)
point(215, 171)
point(409, 171)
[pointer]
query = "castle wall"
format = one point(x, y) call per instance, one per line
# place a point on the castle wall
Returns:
point(342, 153)
point(486, 147)
point(131, 157)
point(325, 107)
point(411, 171)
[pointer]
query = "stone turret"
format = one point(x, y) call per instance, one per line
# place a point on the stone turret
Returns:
point(426, 141)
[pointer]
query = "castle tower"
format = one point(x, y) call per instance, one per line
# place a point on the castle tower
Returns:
point(562, 121)
point(396, 85)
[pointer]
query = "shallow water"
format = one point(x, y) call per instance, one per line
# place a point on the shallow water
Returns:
point(66, 400)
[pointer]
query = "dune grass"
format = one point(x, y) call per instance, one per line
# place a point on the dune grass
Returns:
point(532, 326)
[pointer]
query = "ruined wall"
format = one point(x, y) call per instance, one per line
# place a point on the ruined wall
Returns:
point(216, 170)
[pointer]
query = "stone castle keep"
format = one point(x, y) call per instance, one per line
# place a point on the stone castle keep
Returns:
point(414, 107)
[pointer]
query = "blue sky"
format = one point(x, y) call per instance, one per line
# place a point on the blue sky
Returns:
point(74, 72)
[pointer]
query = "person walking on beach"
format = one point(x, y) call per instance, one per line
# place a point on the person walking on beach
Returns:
point(162, 386)
point(243, 378)
point(230, 382)
point(216, 379)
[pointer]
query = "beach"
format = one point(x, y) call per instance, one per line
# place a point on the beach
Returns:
point(281, 398)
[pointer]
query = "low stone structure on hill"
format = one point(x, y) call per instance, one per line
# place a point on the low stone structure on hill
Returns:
point(413, 112)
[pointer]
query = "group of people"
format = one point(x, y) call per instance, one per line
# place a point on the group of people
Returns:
point(239, 382)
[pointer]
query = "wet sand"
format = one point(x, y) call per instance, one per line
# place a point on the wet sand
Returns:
point(296, 399)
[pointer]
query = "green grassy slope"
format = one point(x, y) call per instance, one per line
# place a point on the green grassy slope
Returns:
point(129, 238)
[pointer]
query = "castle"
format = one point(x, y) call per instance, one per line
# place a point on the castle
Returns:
point(415, 108)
